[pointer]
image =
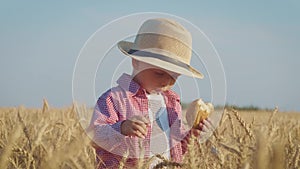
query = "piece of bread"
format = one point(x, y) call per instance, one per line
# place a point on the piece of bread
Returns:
point(202, 114)
point(197, 112)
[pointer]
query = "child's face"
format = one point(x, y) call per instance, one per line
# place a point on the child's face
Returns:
point(154, 79)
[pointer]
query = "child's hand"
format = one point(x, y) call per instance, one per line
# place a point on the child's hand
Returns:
point(135, 126)
point(204, 127)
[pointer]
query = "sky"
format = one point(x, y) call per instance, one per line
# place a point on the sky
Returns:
point(257, 42)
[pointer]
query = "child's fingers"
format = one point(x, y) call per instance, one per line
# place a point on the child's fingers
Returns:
point(208, 120)
point(208, 124)
point(140, 128)
point(140, 124)
point(134, 128)
point(144, 119)
point(200, 126)
point(205, 129)
point(137, 126)
point(140, 119)
point(196, 132)
point(137, 133)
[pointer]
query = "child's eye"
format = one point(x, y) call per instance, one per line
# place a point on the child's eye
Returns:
point(159, 73)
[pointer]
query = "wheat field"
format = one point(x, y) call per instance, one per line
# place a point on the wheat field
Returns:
point(54, 138)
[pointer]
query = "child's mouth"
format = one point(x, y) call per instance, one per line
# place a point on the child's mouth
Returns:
point(162, 89)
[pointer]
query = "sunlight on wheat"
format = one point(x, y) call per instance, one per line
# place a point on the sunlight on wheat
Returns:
point(55, 138)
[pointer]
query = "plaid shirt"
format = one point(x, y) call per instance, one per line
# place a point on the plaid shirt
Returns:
point(120, 103)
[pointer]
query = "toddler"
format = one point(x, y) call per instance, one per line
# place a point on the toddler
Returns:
point(141, 116)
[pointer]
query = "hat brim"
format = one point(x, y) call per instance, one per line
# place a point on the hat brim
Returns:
point(158, 59)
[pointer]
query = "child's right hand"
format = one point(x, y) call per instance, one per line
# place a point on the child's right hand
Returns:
point(135, 126)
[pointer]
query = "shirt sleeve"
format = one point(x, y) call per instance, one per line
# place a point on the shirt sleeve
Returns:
point(185, 133)
point(106, 125)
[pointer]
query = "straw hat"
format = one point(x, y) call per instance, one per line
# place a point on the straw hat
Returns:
point(163, 43)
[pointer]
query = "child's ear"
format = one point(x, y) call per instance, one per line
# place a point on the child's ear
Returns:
point(135, 64)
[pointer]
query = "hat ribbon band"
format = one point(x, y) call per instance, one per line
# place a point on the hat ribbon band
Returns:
point(159, 56)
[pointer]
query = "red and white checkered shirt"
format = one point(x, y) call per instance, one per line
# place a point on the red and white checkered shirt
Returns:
point(120, 103)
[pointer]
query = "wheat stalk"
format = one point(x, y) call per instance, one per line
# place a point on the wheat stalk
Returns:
point(231, 124)
point(272, 115)
point(25, 130)
point(243, 124)
point(45, 105)
point(296, 158)
point(5, 155)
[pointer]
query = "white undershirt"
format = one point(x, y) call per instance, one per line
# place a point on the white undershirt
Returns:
point(161, 138)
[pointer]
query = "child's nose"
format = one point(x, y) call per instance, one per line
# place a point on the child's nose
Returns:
point(164, 84)
point(167, 81)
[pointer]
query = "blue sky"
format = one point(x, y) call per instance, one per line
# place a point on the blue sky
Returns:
point(258, 43)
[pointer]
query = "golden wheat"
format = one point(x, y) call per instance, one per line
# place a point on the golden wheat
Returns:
point(54, 138)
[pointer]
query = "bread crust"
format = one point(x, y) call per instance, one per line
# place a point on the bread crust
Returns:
point(201, 115)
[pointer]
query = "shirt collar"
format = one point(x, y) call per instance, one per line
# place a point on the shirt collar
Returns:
point(127, 83)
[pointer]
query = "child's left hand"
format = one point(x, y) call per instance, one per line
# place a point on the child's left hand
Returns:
point(204, 127)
